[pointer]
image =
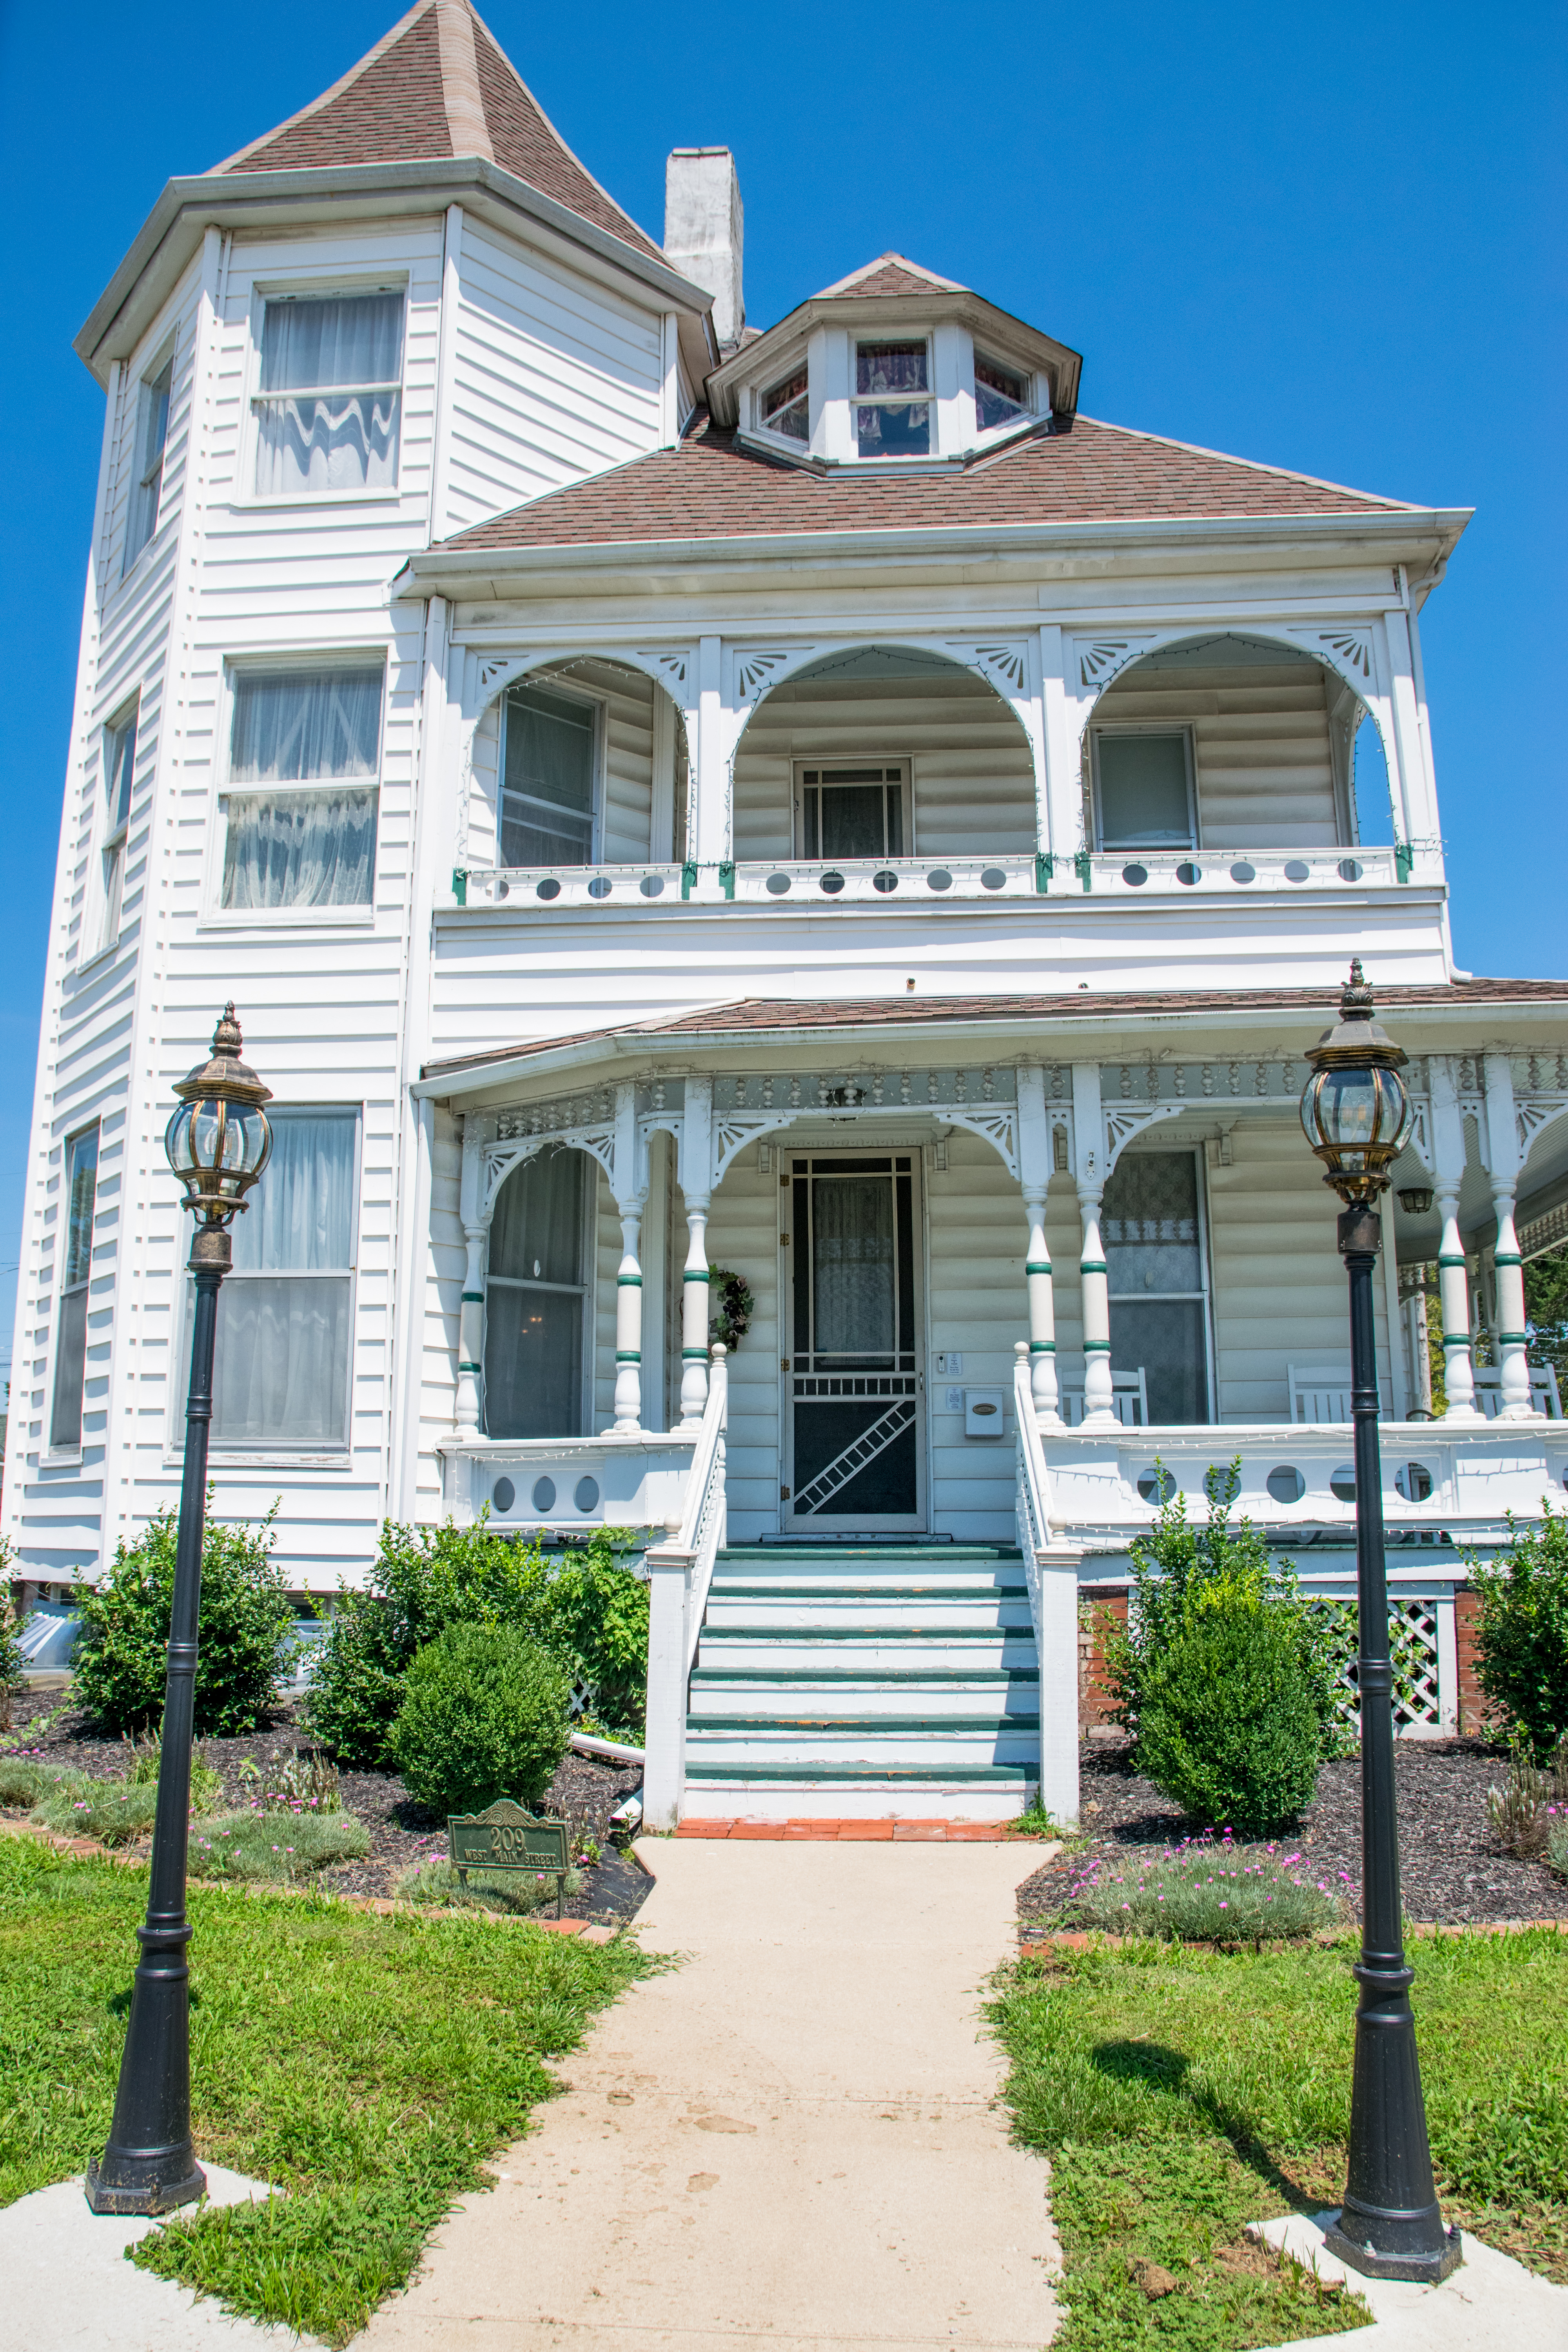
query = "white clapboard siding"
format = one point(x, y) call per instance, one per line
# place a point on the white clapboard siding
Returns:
point(972, 780)
point(743, 1235)
point(441, 1271)
point(552, 378)
point(1261, 745)
point(976, 1306)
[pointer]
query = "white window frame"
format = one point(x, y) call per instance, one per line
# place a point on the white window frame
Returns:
point(1027, 415)
point(277, 1456)
point(50, 1452)
point(114, 833)
point(316, 289)
point(1205, 1269)
point(593, 1177)
point(1147, 727)
point(544, 682)
point(845, 759)
point(146, 498)
point(922, 335)
point(800, 366)
point(215, 916)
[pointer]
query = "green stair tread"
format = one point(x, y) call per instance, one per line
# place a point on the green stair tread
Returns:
point(1009, 1775)
point(800, 1596)
point(895, 1678)
point(832, 1727)
point(932, 1634)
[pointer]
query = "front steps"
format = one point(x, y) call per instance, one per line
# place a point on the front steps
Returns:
point(883, 1681)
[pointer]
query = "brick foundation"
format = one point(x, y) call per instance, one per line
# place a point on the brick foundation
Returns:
point(1473, 1703)
point(1094, 1699)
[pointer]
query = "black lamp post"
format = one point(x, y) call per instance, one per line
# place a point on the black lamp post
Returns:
point(1356, 1115)
point(217, 1142)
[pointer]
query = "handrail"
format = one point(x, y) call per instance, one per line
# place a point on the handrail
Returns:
point(680, 1571)
point(702, 1529)
point(1034, 1499)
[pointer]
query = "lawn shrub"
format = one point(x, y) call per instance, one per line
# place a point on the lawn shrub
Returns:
point(1205, 1890)
point(1227, 1728)
point(1522, 1634)
point(587, 1607)
point(259, 1844)
point(483, 1715)
point(10, 1652)
point(122, 1666)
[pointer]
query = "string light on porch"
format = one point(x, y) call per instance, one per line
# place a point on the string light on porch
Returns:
point(218, 1141)
point(1357, 1116)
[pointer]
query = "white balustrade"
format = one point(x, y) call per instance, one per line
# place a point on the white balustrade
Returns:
point(680, 1571)
point(1050, 1569)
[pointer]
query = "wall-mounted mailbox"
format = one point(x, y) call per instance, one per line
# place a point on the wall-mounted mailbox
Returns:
point(983, 1415)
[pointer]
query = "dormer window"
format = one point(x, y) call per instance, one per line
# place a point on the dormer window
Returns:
point(786, 409)
point(1001, 394)
point(892, 400)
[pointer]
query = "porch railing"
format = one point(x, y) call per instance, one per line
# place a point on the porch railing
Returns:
point(680, 1571)
point(1050, 1570)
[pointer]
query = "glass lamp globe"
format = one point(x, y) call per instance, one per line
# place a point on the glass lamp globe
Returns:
point(1356, 1111)
point(219, 1138)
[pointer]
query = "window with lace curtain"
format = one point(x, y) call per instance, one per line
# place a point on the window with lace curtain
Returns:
point(73, 1245)
point(303, 769)
point(119, 774)
point(151, 433)
point(329, 405)
point(892, 400)
point(1156, 1262)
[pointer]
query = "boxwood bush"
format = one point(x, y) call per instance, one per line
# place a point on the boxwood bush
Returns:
point(1523, 1633)
point(483, 1715)
point(587, 1607)
point(121, 1665)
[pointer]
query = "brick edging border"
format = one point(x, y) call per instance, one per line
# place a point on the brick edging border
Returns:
point(1087, 1939)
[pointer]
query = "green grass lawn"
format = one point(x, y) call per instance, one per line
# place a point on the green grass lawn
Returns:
point(1181, 2093)
point(368, 2065)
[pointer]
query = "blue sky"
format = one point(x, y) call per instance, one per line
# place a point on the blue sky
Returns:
point(1330, 242)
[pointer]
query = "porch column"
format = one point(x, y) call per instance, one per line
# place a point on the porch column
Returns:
point(1502, 1133)
point(694, 1316)
point(1453, 1286)
point(628, 1326)
point(1034, 1174)
point(1089, 1150)
point(472, 1335)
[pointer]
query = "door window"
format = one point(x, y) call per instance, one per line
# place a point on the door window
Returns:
point(1157, 1269)
point(853, 1380)
point(536, 1299)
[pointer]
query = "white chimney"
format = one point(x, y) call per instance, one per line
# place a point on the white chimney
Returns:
point(704, 231)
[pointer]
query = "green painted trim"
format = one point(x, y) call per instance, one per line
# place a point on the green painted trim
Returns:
point(1403, 859)
point(1507, 1257)
point(697, 1274)
point(1032, 1266)
point(795, 1594)
point(1043, 865)
point(688, 878)
point(1451, 1263)
point(868, 1633)
point(469, 1368)
point(875, 1678)
point(1092, 1265)
point(1096, 1347)
point(727, 877)
point(827, 1726)
point(629, 1281)
point(1510, 1338)
point(1456, 1339)
point(1008, 1776)
point(473, 1298)
point(694, 1355)
point(1084, 864)
point(460, 885)
point(1042, 1347)
point(629, 1355)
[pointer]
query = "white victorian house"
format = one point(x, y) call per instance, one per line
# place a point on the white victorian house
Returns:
point(810, 805)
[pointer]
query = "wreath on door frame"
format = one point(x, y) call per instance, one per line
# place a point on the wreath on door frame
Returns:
point(732, 1307)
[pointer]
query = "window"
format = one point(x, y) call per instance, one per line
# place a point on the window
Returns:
point(76, 1268)
point(536, 1299)
point(892, 413)
point(119, 770)
point(1144, 786)
point(786, 409)
point(310, 738)
point(1001, 394)
point(547, 779)
point(280, 1372)
point(329, 406)
point(1158, 1279)
point(151, 432)
point(852, 812)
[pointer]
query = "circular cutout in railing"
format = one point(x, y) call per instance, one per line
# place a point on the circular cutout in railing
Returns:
point(1297, 870)
point(1414, 1481)
point(1286, 1483)
point(1189, 874)
point(503, 890)
point(652, 886)
point(1243, 872)
point(586, 1494)
point(939, 879)
point(777, 885)
point(1351, 869)
point(1135, 876)
point(884, 881)
point(1342, 1485)
point(544, 1497)
point(503, 1495)
point(993, 879)
point(1156, 1486)
point(600, 886)
point(832, 883)
point(547, 889)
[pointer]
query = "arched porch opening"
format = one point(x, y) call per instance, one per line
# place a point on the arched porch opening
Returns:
point(883, 752)
point(578, 762)
point(1231, 741)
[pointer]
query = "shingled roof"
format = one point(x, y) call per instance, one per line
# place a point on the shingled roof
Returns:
point(439, 85)
point(715, 487)
point(892, 273)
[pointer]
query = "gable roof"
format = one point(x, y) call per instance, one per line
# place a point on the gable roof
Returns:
point(891, 273)
point(438, 85)
point(716, 487)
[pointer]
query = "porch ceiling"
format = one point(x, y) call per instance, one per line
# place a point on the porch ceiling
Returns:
point(1436, 1018)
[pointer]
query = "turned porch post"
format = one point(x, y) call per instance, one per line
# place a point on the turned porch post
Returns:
point(630, 1198)
point(1502, 1134)
point(697, 1184)
point(1088, 1143)
point(1035, 1170)
point(469, 1410)
point(1453, 1285)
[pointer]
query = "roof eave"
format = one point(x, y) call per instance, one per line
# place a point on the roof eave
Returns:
point(1063, 365)
point(449, 571)
point(172, 231)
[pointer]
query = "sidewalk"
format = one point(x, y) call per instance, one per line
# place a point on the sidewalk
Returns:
point(792, 2139)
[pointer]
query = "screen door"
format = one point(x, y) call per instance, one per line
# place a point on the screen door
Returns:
point(854, 1458)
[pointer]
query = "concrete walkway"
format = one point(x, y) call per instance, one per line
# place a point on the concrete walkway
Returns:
point(794, 2138)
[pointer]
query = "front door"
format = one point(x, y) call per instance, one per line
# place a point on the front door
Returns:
point(854, 1456)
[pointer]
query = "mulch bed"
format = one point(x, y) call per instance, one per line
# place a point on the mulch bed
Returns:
point(1453, 1872)
point(585, 1792)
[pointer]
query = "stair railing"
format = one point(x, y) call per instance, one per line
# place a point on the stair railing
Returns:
point(680, 1572)
point(1050, 1569)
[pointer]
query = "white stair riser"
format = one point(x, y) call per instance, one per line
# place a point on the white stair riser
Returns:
point(869, 1656)
point(799, 1701)
point(927, 1751)
point(771, 1801)
point(914, 1616)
